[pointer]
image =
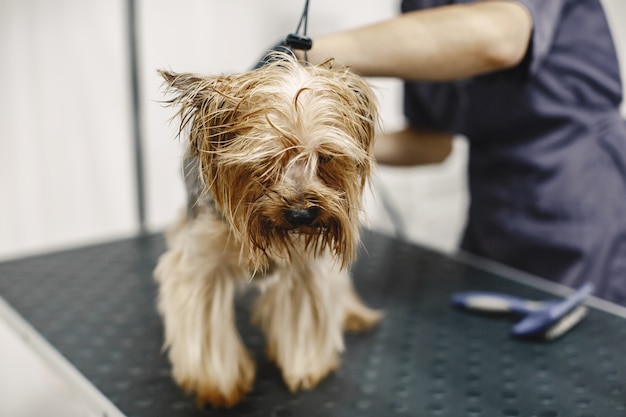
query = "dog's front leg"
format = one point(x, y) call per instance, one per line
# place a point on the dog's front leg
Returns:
point(302, 316)
point(205, 350)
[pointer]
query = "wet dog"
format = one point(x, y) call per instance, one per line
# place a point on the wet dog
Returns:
point(277, 161)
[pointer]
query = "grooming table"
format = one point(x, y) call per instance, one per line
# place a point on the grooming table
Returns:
point(96, 306)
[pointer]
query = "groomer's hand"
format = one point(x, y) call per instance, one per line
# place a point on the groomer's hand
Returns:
point(410, 147)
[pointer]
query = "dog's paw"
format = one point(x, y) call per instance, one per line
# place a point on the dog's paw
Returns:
point(299, 373)
point(361, 318)
point(297, 381)
point(221, 390)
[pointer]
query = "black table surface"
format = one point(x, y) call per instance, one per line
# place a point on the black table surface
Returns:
point(96, 306)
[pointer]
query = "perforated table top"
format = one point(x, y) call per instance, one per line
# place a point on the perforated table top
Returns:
point(96, 305)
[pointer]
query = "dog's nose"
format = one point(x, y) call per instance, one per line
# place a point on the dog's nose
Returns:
point(300, 216)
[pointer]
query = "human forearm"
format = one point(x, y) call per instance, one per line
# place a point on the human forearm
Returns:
point(437, 44)
point(410, 147)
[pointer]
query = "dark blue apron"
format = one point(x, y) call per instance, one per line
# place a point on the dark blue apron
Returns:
point(547, 160)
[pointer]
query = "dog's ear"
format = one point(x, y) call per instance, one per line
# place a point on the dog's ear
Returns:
point(204, 106)
point(181, 82)
point(364, 112)
point(357, 92)
point(366, 107)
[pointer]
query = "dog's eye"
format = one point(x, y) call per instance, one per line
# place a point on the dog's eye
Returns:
point(325, 158)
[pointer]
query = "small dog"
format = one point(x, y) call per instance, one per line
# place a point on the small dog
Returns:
point(277, 161)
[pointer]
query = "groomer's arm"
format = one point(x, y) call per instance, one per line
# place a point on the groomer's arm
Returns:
point(443, 43)
point(410, 147)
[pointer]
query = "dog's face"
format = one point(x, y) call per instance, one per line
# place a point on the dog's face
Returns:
point(285, 151)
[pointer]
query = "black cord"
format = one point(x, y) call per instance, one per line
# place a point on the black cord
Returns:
point(301, 41)
point(304, 19)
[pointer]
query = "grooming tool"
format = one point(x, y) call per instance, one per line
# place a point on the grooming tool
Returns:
point(546, 320)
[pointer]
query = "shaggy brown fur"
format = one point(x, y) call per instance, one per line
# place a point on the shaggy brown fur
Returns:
point(278, 159)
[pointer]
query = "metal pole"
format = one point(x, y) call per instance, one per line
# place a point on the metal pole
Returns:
point(136, 120)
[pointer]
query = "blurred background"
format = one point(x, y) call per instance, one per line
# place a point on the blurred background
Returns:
point(70, 127)
point(67, 127)
point(67, 121)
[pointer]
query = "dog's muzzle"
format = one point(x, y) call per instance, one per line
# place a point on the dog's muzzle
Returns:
point(297, 217)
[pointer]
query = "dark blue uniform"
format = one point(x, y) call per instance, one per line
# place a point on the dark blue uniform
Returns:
point(547, 163)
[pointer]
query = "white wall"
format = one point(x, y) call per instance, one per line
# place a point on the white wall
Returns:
point(66, 163)
point(64, 141)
